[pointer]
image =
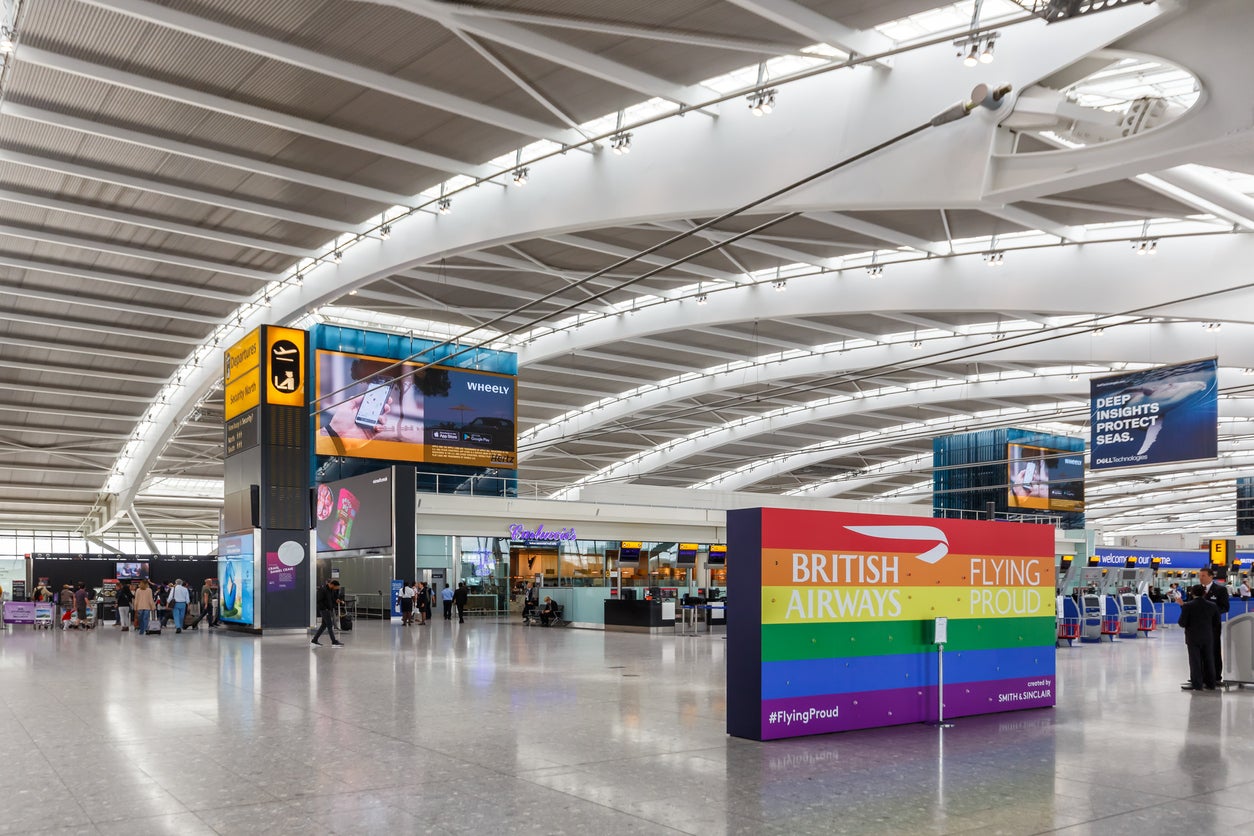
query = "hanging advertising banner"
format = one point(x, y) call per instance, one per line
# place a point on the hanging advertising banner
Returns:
point(836, 613)
point(1154, 416)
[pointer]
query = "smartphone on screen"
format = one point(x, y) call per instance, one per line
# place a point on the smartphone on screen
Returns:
point(371, 409)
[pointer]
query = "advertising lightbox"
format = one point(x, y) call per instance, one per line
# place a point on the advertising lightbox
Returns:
point(1154, 416)
point(237, 560)
point(355, 513)
point(374, 408)
point(1044, 478)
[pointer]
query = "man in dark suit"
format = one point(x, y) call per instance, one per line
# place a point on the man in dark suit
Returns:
point(1200, 620)
point(1217, 594)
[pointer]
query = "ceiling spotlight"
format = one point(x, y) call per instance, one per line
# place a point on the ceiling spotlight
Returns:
point(337, 256)
point(780, 285)
point(999, 336)
point(300, 279)
point(702, 299)
point(1097, 332)
point(762, 102)
point(1213, 326)
point(385, 232)
point(973, 56)
point(444, 206)
point(1073, 376)
point(995, 258)
point(917, 345)
point(875, 270)
point(986, 55)
point(1247, 372)
point(620, 143)
point(353, 292)
point(520, 175)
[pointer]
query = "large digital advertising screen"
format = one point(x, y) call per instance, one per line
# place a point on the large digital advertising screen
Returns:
point(236, 560)
point(1165, 414)
point(355, 513)
point(374, 408)
point(1044, 478)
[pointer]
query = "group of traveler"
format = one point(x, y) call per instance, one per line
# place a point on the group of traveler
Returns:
point(1200, 616)
point(414, 598)
point(532, 609)
point(153, 604)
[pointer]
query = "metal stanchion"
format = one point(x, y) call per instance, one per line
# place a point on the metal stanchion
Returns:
point(940, 634)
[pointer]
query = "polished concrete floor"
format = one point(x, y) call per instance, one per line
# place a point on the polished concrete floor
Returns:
point(497, 728)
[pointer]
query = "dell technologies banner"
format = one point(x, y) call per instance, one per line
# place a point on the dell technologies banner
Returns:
point(1166, 414)
point(375, 408)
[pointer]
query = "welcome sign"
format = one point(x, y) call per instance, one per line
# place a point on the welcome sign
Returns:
point(833, 617)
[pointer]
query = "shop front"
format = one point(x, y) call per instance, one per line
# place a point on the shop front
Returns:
point(579, 554)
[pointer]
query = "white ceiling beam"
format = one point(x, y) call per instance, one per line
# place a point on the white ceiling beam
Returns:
point(757, 246)
point(756, 339)
point(326, 65)
point(74, 299)
point(99, 328)
point(79, 393)
point(252, 113)
point(559, 52)
point(95, 275)
point(520, 82)
point(1031, 220)
point(595, 246)
point(575, 280)
point(1239, 208)
point(160, 224)
point(873, 230)
point(803, 20)
point(205, 154)
point(603, 27)
point(145, 184)
point(46, 346)
point(133, 252)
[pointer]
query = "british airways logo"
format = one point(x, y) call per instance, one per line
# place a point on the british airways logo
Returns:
point(909, 532)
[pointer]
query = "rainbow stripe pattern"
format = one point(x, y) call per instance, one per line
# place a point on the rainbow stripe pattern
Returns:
point(831, 619)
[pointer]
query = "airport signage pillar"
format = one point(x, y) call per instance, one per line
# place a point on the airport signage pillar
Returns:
point(267, 454)
point(833, 619)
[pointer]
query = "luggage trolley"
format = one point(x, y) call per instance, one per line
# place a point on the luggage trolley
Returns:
point(1068, 621)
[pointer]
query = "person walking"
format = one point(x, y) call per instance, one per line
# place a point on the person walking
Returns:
point(145, 605)
point(179, 599)
point(328, 606)
point(209, 601)
point(1217, 594)
point(407, 603)
point(124, 599)
point(1200, 620)
point(447, 597)
point(459, 598)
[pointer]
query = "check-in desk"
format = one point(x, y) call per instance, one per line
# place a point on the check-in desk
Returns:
point(639, 616)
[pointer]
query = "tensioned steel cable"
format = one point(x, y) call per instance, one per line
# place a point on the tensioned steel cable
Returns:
point(952, 113)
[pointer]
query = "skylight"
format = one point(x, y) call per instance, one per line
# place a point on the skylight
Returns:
point(954, 18)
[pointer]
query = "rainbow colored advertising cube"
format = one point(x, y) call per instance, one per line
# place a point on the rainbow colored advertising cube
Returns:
point(831, 618)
